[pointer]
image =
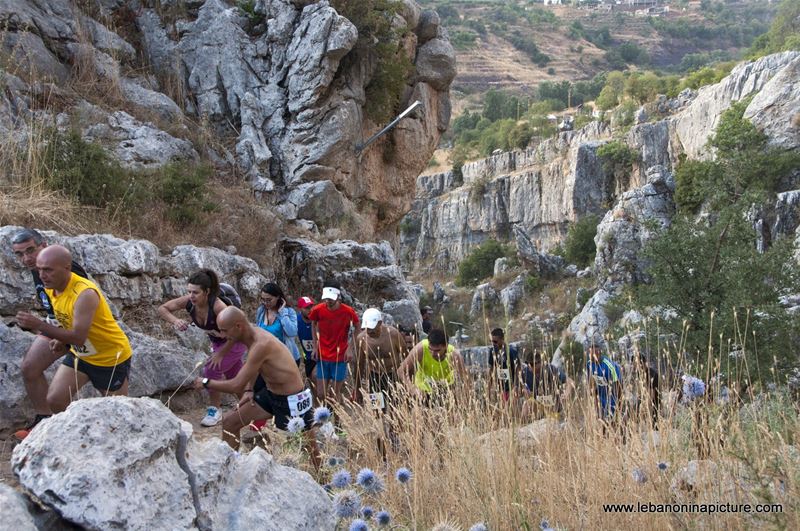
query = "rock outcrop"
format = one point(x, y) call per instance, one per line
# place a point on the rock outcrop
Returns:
point(539, 191)
point(130, 272)
point(368, 274)
point(90, 461)
point(291, 81)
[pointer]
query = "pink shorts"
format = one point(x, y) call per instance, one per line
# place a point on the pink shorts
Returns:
point(230, 366)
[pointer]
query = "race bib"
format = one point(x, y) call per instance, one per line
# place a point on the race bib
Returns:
point(503, 374)
point(299, 403)
point(546, 400)
point(52, 321)
point(376, 401)
point(600, 380)
point(308, 345)
point(87, 349)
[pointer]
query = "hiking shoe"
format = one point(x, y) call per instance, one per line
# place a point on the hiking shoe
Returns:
point(212, 418)
point(21, 434)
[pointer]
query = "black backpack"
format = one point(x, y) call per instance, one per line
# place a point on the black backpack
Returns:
point(229, 295)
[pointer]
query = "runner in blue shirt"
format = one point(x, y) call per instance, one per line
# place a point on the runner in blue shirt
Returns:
point(605, 378)
point(304, 305)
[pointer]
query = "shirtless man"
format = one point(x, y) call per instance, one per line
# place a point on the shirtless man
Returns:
point(284, 396)
point(99, 350)
point(26, 246)
point(379, 351)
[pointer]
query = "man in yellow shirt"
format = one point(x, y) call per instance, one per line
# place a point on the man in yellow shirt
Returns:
point(432, 367)
point(99, 349)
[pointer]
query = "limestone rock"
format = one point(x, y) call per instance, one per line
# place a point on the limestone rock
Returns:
point(428, 26)
point(404, 312)
point(65, 463)
point(512, 295)
point(436, 63)
point(15, 510)
point(252, 491)
point(775, 110)
point(180, 483)
point(367, 272)
point(500, 266)
point(626, 228)
point(694, 125)
point(138, 144)
point(483, 300)
point(15, 408)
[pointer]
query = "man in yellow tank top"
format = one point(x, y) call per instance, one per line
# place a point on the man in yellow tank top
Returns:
point(99, 349)
point(433, 365)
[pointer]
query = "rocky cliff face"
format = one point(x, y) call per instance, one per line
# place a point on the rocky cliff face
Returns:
point(540, 190)
point(283, 78)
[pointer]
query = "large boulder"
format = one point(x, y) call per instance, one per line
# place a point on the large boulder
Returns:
point(90, 461)
point(15, 510)
point(484, 300)
point(775, 110)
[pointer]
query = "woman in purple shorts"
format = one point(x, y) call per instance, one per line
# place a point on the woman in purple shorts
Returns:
point(203, 305)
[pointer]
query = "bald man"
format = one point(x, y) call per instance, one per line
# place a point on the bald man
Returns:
point(270, 381)
point(99, 351)
point(26, 245)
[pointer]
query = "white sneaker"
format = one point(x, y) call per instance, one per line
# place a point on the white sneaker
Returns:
point(212, 418)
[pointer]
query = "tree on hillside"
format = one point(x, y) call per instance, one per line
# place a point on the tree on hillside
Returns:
point(709, 270)
point(784, 34)
point(612, 92)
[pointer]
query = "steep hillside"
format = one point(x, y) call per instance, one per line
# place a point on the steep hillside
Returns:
point(521, 43)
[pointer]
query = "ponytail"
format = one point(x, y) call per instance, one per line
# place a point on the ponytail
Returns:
point(208, 280)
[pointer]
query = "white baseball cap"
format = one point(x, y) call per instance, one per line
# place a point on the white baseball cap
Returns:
point(371, 318)
point(330, 293)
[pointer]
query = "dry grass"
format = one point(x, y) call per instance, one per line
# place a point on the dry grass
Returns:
point(475, 460)
point(565, 473)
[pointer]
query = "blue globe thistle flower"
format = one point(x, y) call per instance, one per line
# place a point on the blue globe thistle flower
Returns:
point(663, 466)
point(480, 526)
point(346, 503)
point(403, 475)
point(368, 481)
point(383, 518)
point(358, 525)
point(639, 476)
point(296, 425)
point(544, 525)
point(693, 388)
point(322, 415)
point(332, 461)
point(341, 479)
point(367, 512)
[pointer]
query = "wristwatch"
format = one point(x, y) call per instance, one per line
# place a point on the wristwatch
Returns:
point(204, 381)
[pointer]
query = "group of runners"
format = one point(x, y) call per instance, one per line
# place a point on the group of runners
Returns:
point(263, 362)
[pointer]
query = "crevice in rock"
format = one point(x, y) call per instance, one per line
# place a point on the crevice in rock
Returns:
point(180, 455)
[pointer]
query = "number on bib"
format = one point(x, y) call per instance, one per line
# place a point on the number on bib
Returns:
point(300, 403)
point(503, 374)
point(376, 401)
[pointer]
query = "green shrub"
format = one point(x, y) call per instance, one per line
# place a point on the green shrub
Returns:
point(691, 180)
point(85, 171)
point(377, 38)
point(533, 283)
point(617, 157)
point(479, 264)
point(579, 247)
point(182, 187)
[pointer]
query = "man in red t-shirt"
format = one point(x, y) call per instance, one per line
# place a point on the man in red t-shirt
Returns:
point(331, 326)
